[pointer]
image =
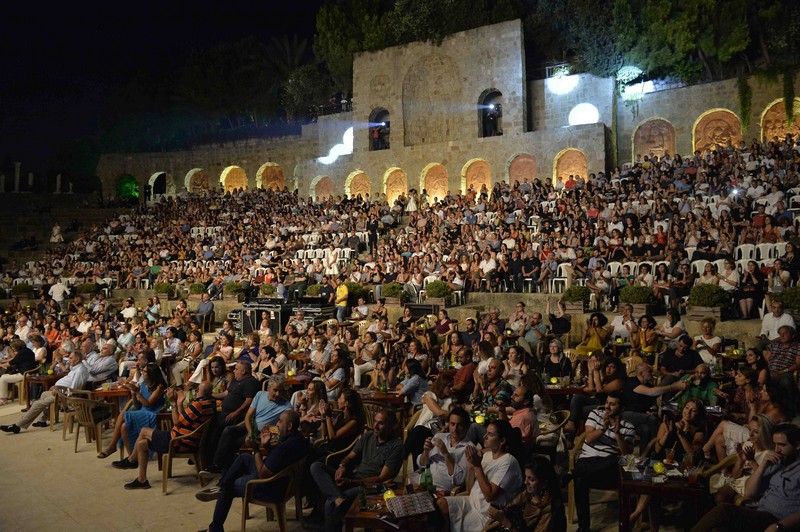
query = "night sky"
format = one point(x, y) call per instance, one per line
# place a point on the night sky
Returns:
point(58, 65)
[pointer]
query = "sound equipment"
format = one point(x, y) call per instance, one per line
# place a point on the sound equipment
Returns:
point(278, 314)
point(419, 310)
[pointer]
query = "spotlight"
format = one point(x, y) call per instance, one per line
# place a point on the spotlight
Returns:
point(735, 191)
point(491, 107)
point(383, 124)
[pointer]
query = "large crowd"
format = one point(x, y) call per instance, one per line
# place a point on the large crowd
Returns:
point(722, 217)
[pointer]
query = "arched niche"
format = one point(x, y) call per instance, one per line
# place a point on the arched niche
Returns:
point(570, 161)
point(233, 178)
point(434, 180)
point(196, 181)
point(653, 137)
point(522, 166)
point(395, 182)
point(476, 174)
point(321, 188)
point(716, 127)
point(379, 129)
point(357, 183)
point(161, 184)
point(270, 177)
point(490, 113)
point(773, 121)
point(127, 188)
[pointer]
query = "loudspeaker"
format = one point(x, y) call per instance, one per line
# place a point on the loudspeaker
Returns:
point(278, 316)
point(418, 310)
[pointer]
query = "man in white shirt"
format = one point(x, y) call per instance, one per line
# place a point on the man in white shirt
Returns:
point(23, 329)
point(444, 453)
point(58, 292)
point(129, 311)
point(772, 322)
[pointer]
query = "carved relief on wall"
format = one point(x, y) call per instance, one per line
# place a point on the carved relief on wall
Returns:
point(233, 178)
point(436, 182)
point(198, 182)
point(323, 189)
point(718, 128)
point(431, 90)
point(654, 137)
point(773, 124)
point(522, 166)
point(360, 185)
point(396, 184)
point(270, 177)
point(479, 174)
point(378, 85)
point(572, 162)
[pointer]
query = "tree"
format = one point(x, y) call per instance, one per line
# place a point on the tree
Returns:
point(305, 87)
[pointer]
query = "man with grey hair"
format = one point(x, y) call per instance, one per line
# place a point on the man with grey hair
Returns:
point(61, 356)
point(101, 365)
point(74, 380)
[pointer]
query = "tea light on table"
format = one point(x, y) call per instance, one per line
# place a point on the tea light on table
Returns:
point(619, 340)
point(479, 419)
point(388, 494)
point(554, 380)
point(290, 373)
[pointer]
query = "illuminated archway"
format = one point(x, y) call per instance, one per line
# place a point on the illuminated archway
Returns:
point(161, 184)
point(654, 136)
point(570, 161)
point(321, 188)
point(490, 113)
point(434, 180)
point(716, 127)
point(232, 178)
point(196, 181)
point(270, 177)
point(773, 120)
point(395, 182)
point(522, 166)
point(476, 173)
point(127, 187)
point(357, 183)
point(379, 129)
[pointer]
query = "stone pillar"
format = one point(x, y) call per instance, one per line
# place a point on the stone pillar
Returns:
point(58, 184)
point(30, 181)
point(17, 167)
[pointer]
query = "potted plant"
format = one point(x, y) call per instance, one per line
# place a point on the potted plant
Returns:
point(438, 293)
point(268, 290)
point(394, 294)
point(790, 297)
point(86, 288)
point(233, 290)
point(313, 290)
point(22, 290)
point(707, 300)
point(196, 290)
point(641, 297)
point(354, 291)
point(576, 299)
point(165, 289)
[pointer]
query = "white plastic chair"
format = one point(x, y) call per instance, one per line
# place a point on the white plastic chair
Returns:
point(745, 252)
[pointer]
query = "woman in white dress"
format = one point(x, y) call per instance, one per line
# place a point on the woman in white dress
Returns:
point(495, 478)
point(331, 261)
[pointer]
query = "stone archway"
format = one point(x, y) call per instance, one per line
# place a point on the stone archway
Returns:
point(434, 180)
point(161, 184)
point(476, 173)
point(570, 161)
point(232, 178)
point(270, 177)
point(127, 188)
point(716, 127)
point(196, 181)
point(773, 120)
point(321, 188)
point(490, 113)
point(395, 182)
point(357, 183)
point(522, 166)
point(653, 137)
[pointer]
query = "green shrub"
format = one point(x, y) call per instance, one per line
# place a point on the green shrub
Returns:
point(708, 295)
point(233, 288)
point(313, 290)
point(636, 295)
point(577, 294)
point(87, 288)
point(790, 298)
point(197, 288)
point(394, 290)
point(165, 288)
point(438, 289)
point(268, 289)
point(355, 291)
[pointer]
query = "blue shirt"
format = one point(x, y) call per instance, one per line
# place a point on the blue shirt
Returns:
point(267, 412)
point(782, 495)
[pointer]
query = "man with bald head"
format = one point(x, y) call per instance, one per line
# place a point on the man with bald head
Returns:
point(640, 397)
point(701, 387)
point(185, 421)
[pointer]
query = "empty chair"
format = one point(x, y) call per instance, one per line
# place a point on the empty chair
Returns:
point(698, 266)
point(745, 251)
point(779, 250)
point(765, 251)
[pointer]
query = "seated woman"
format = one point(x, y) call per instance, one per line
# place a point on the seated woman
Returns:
point(603, 378)
point(493, 479)
point(596, 336)
point(415, 384)
point(749, 456)
point(344, 427)
point(222, 348)
point(746, 393)
point(556, 363)
point(515, 367)
point(148, 400)
point(728, 434)
point(756, 361)
point(368, 350)
point(539, 508)
point(646, 338)
point(436, 404)
point(191, 356)
point(383, 374)
point(671, 329)
point(308, 405)
point(337, 376)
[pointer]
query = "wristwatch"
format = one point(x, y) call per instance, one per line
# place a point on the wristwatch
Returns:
point(779, 526)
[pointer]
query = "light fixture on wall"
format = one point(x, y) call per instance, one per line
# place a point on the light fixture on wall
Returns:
point(559, 80)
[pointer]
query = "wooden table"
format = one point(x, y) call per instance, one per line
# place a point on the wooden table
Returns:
point(47, 382)
point(393, 399)
point(565, 390)
point(674, 488)
point(112, 396)
point(369, 519)
point(617, 348)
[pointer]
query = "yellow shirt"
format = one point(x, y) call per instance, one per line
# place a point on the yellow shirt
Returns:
point(341, 294)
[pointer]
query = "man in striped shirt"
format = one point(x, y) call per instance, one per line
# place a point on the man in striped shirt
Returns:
point(607, 437)
point(185, 421)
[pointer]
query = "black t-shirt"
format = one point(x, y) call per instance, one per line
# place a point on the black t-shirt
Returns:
point(238, 391)
point(530, 264)
point(637, 402)
point(326, 292)
point(687, 363)
point(515, 266)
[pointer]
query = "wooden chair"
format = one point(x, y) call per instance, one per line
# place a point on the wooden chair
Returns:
point(334, 458)
point(292, 474)
point(573, 457)
point(558, 419)
point(165, 461)
point(412, 421)
point(91, 415)
point(61, 404)
point(630, 364)
point(20, 389)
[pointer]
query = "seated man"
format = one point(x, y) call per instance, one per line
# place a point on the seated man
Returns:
point(74, 380)
point(776, 484)
point(264, 463)
point(640, 400)
point(444, 453)
point(700, 386)
point(205, 309)
point(265, 409)
point(523, 414)
point(377, 457)
point(185, 421)
point(464, 380)
point(608, 436)
point(679, 361)
point(104, 364)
